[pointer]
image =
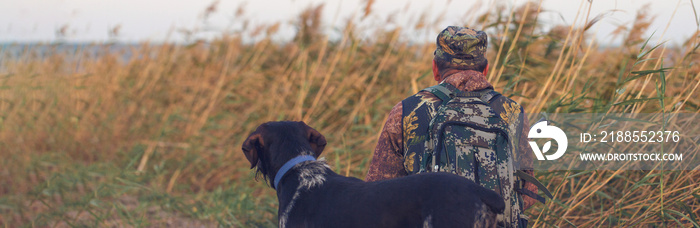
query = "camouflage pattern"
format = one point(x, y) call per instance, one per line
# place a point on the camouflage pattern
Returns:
point(461, 48)
point(390, 157)
point(479, 146)
point(415, 129)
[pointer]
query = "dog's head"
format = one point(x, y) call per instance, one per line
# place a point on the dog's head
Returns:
point(274, 143)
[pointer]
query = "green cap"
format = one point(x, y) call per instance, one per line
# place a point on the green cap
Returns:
point(461, 47)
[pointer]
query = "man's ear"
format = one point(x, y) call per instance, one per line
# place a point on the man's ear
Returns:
point(316, 139)
point(250, 148)
point(436, 73)
point(486, 69)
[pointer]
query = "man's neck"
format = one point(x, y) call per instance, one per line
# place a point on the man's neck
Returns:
point(467, 80)
point(448, 73)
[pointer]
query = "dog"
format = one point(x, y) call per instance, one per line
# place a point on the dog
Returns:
point(310, 194)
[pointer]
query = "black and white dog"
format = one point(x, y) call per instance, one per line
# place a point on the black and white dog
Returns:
point(310, 194)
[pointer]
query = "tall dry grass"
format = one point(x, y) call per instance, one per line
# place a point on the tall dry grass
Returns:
point(91, 137)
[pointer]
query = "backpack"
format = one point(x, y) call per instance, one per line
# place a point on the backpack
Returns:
point(469, 135)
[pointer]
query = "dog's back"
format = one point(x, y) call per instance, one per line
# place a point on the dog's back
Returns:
point(430, 199)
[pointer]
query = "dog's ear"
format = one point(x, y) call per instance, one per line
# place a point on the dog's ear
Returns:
point(250, 146)
point(316, 139)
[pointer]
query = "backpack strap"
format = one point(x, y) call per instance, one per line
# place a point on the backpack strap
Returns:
point(533, 180)
point(531, 194)
point(487, 95)
point(416, 131)
point(444, 91)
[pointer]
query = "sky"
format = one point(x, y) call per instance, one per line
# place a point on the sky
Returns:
point(160, 20)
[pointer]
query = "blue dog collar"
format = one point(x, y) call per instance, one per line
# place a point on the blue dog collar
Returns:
point(289, 165)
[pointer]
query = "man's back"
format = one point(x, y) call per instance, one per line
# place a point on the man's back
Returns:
point(459, 49)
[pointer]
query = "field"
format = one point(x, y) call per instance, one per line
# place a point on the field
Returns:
point(90, 137)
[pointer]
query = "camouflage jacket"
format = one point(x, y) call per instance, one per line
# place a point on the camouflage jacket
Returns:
point(389, 158)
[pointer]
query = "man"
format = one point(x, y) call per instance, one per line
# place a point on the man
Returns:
point(460, 61)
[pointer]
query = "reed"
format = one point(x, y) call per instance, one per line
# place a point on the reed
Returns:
point(91, 137)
